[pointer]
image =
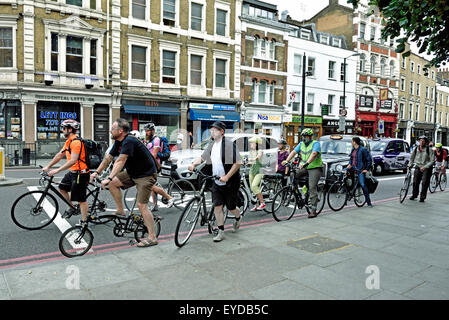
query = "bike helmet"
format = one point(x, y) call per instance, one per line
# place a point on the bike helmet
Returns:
point(70, 123)
point(307, 132)
point(282, 141)
point(257, 140)
point(423, 137)
point(135, 133)
point(149, 126)
point(438, 145)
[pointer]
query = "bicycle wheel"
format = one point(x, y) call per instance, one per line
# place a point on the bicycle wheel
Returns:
point(337, 196)
point(182, 191)
point(359, 197)
point(404, 189)
point(187, 221)
point(100, 205)
point(433, 183)
point(284, 204)
point(141, 231)
point(242, 204)
point(443, 182)
point(321, 197)
point(28, 215)
point(76, 241)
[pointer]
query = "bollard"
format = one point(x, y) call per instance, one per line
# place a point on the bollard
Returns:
point(16, 157)
point(2, 163)
point(26, 153)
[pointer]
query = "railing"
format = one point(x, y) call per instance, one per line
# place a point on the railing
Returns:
point(19, 153)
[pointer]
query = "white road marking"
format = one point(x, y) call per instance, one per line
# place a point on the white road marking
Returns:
point(395, 178)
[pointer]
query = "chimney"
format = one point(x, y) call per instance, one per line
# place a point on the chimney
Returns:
point(284, 15)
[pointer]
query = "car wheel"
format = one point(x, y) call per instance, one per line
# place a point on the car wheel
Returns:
point(378, 169)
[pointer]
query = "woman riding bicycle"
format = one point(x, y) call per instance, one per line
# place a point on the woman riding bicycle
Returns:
point(440, 158)
point(255, 173)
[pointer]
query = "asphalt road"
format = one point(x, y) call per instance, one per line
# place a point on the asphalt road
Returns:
point(19, 246)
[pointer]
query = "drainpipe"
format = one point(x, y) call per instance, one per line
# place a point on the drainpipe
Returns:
point(107, 43)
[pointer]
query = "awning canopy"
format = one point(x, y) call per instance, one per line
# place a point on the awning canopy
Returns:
point(214, 115)
point(172, 111)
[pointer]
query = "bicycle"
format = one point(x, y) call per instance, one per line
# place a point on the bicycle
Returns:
point(406, 184)
point(28, 210)
point(195, 211)
point(437, 179)
point(343, 190)
point(292, 197)
point(77, 240)
point(182, 190)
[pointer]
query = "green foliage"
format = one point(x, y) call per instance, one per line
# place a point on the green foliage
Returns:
point(422, 21)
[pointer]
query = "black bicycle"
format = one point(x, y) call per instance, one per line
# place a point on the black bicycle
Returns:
point(406, 184)
point(296, 196)
point(37, 209)
point(77, 241)
point(438, 179)
point(346, 188)
point(196, 211)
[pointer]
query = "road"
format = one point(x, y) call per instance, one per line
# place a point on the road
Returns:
point(21, 246)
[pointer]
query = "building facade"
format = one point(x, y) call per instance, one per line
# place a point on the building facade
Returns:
point(442, 115)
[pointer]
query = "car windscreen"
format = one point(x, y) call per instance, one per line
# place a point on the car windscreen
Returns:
point(336, 146)
point(377, 145)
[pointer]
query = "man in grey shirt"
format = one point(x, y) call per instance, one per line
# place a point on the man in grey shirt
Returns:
point(224, 157)
point(424, 158)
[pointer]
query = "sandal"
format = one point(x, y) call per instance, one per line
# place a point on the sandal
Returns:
point(146, 243)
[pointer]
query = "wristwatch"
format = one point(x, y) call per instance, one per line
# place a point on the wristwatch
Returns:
point(109, 178)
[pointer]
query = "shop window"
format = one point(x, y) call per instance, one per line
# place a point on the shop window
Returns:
point(10, 119)
point(74, 56)
point(49, 117)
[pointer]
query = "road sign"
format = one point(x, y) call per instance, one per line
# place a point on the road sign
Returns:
point(342, 124)
point(343, 112)
point(324, 109)
point(381, 127)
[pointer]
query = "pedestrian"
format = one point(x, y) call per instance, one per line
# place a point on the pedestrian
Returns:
point(310, 164)
point(191, 144)
point(255, 172)
point(423, 158)
point(154, 145)
point(282, 155)
point(74, 184)
point(360, 162)
point(141, 171)
point(222, 156)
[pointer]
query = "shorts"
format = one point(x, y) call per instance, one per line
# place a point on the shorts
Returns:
point(76, 184)
point(143, 185)
point(225, 195)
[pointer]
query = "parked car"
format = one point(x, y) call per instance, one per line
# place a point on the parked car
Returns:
point(184, 158)
point(389, 154)
point(335, 150)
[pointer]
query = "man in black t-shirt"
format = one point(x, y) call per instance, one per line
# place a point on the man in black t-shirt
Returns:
point(140, 171)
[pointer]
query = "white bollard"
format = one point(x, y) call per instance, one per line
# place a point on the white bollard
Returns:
point(2, 163)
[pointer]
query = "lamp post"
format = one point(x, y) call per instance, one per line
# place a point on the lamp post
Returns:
point(303, 98)
point(344, 79)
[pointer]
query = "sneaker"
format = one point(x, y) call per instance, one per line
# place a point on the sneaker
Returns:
point(254, 209)
point(219, 236)
point(81, 223)
point(412, 198)
point(261, 207)
point(421, 200)
point(170, 202)
point(237, 224)
point(68, 213)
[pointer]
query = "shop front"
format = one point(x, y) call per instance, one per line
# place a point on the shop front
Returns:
point(165, 116)
point(330, 126)
point(293, 128)
point(263, 122)
point(202, 115)
point(368, 122)
point(422, 129)
point(11, 121)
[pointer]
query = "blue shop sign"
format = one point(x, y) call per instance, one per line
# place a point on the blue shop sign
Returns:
point(209, 106)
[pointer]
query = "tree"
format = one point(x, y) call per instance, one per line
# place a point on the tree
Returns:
point(421, 21)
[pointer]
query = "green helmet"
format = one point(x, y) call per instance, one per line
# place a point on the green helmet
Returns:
point(438, 145)
point(307, 132)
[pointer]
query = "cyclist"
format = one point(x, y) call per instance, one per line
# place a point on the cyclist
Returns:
point(440, 158)
point(360, 162)
point(255, 173)
point(153, 144)
point(224, 158)
point(310, 163)
point(140, 171)
point(282, 155)
point(423, 159)
point(74, 184)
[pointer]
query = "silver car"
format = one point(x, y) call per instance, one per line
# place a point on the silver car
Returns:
point(184, 158)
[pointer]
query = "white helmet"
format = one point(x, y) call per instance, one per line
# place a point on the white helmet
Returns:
point(135, 133)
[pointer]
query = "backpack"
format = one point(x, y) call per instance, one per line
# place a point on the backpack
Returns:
point(93, 151)
point(164, 154)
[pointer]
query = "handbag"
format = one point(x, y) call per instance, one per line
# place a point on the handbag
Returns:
point(371, 183)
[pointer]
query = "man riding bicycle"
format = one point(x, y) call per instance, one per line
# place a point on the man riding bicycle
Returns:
point(440, 158)
point(310, 152)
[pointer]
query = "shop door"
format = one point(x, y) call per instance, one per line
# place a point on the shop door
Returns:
point(291, 137)
point(101, 125)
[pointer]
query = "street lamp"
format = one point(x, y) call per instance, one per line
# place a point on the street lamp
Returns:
point(344, 78)
point(303, 98)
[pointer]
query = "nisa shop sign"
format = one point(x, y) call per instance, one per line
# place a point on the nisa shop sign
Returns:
point(268, 118)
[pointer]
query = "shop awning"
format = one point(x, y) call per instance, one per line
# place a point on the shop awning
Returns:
point(151, 110)
point(214, 115)
point(388, 117)
point(368, 117)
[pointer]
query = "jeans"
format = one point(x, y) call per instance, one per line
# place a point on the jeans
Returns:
point(425, 177)
point(362, 183)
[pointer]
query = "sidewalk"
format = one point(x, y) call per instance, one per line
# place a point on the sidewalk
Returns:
point(404, 248)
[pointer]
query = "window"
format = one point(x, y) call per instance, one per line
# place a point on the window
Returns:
point(220, 73)
point(411, 87)
point(310, 99)
point(93, 56)
point(330, 102)
point(139, 9)
point(343, 72)
point(433, 75)
point(169, 12)
point(10, 119)
point(362, 62)
point(6, 48)
point(425, 114)
point(138, 62)
point(331, 74)
point(373, 33)
point(262, 91)
point(74, 54)
point(324, 39)
point(296, 102)
point(410, 111)
point(412, 66)
point(297, 64)
point(93, 4)
point(256, 46)
point(46, 128)
point(417, 111)
point(447, 118)
point(272, 51)
point(342, 102)
point(427, 92)
point(263, 48)
point(403, 63)
point(401, 110)
point(311, 66)
point(383, 66)
point(253, 91)
point(336, 42)
point(168, 66)
point(221, 22)
point(196, 17)
point(271, 88)
point(373, 65)
point(418, 86)
point(418, 70)
point(54, 52)
point(196, 63)
point(432, 93)
point(402, 84)
point(305, 34)
point(362, 30)
point(391, 68)
point(78, 3)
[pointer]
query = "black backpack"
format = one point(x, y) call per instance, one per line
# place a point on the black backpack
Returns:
point(94, 152)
